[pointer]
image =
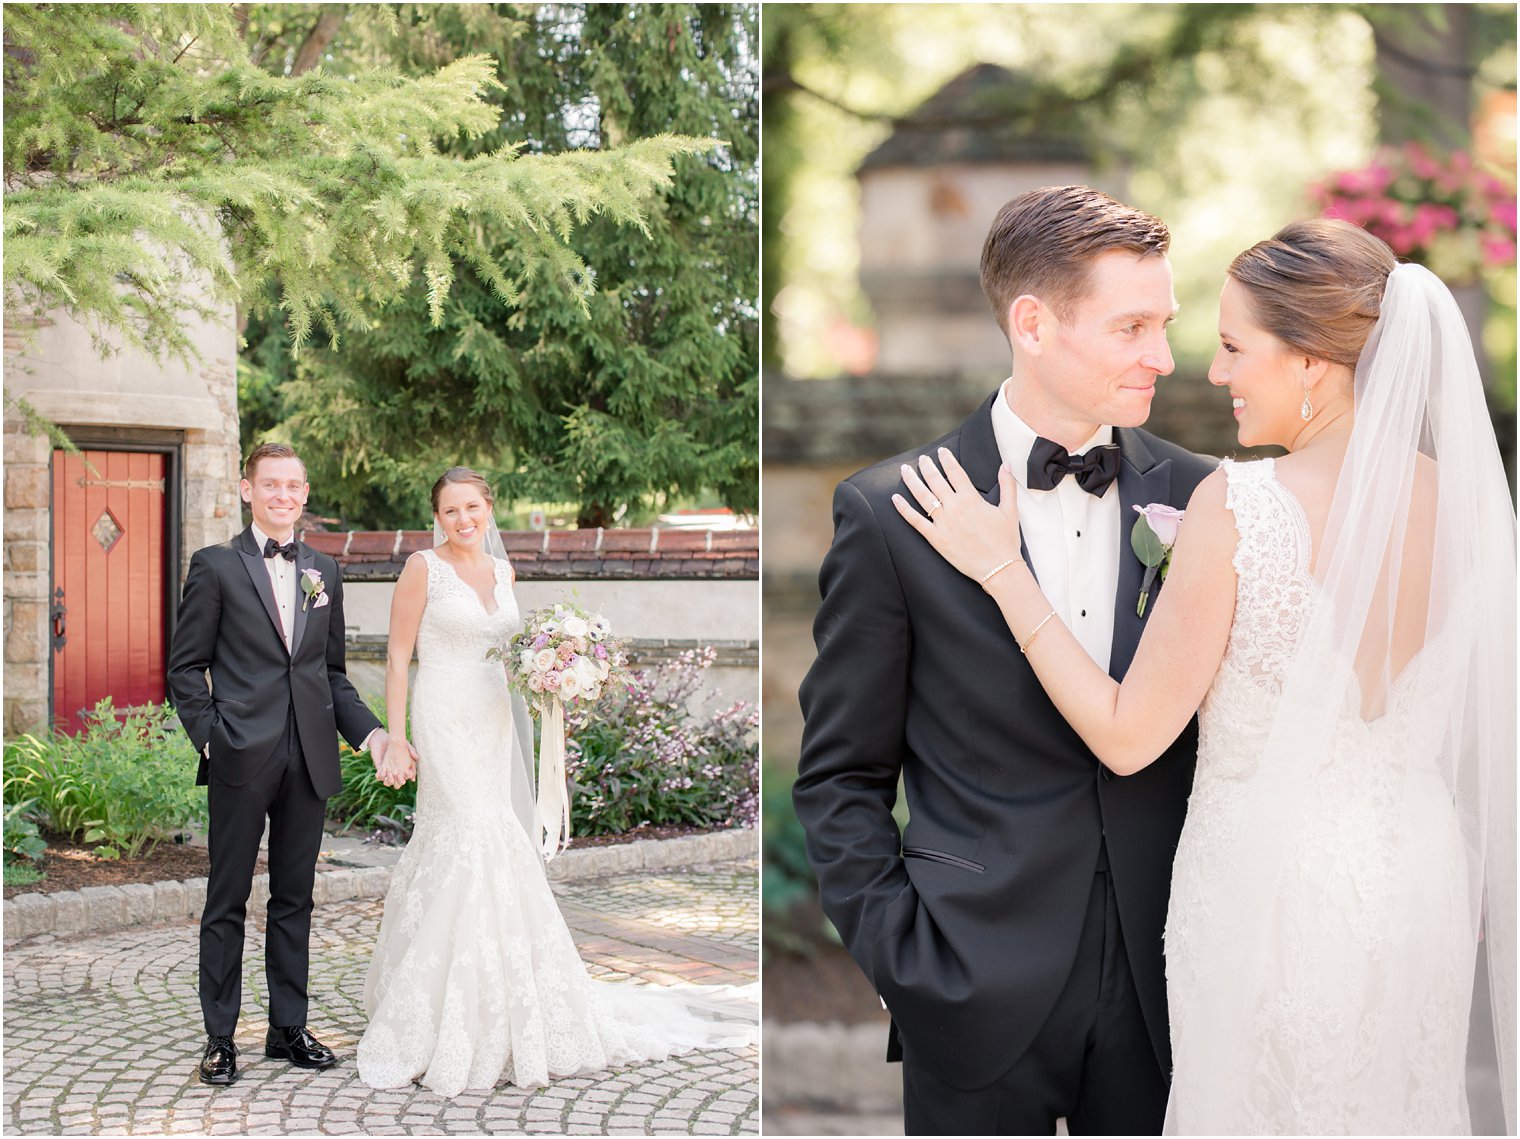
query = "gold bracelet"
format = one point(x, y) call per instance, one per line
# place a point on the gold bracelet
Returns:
point(994, 571)
point(1024, 644)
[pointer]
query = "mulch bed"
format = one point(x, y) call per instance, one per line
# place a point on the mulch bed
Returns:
point(72, 865)
point(826, 985)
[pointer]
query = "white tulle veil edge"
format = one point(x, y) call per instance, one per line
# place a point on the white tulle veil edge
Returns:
point(524, 800)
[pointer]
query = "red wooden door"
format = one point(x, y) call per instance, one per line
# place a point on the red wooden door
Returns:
point(109, 545)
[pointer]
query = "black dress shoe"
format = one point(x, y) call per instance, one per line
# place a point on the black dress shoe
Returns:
point(219, 1063)
point(298, 1046)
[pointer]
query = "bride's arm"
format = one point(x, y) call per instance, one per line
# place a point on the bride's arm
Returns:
point(1126, 725)
point(407, 601)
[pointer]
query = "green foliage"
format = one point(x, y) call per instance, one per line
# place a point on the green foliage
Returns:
point(787, 884)
point(615, 399)
point(146, 152)
point(127, 782)
point(364, 800)
point(22, 874)
point(639, 756)
point(23, 842)
point(1176, 103)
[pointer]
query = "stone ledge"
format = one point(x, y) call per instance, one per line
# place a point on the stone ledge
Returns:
point(830, 1067)
point(101, 909)
point(654, 854)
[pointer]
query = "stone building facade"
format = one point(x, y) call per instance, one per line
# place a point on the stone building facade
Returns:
point(127, 402)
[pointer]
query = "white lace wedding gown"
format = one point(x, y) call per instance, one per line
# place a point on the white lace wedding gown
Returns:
point(1340, 978)
point(475, 979)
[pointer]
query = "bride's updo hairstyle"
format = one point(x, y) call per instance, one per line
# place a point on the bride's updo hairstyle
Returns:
point(464, 475)
point(1317, 286)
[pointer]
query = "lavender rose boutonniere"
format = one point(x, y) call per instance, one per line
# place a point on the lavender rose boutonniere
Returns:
point(314, 588)
point(1152, 539)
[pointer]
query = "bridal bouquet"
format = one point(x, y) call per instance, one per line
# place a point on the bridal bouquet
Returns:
point(562, 654)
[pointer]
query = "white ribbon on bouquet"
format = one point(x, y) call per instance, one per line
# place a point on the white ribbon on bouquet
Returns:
point(553, 809)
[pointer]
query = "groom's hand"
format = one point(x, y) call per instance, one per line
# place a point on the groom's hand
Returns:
point(411, 767)
point(379, 748)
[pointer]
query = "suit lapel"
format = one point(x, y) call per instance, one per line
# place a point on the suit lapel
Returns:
point(253, 562)
point(305, 560)
point(1142, 481)
point(981, 459)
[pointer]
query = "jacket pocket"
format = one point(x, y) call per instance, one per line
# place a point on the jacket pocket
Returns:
point(940, 856)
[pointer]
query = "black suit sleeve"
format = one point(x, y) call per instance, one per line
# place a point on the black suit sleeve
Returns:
point(200, 612)
point(853, 702)
point(353, 716)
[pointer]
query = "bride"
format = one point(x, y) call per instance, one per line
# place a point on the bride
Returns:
point(475, 979)
point(1345, 615)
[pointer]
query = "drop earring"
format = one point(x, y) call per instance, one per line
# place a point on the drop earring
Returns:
point(1306, 409)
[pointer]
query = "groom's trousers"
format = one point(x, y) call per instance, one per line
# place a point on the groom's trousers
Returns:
point(281, 790)
point(1092, 1061)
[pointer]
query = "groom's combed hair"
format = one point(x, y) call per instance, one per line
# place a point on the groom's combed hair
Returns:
point(1043, 243)
point(270, 451)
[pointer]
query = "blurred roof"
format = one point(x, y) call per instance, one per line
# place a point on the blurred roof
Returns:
point(983, 116)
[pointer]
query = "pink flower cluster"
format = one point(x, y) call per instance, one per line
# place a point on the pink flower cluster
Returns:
point(1438, 210)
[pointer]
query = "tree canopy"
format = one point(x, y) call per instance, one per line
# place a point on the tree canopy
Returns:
point(144, 150)
point(1220, 114)
point(639, 392)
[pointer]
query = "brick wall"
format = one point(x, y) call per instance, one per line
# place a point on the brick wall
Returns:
point(564, 555)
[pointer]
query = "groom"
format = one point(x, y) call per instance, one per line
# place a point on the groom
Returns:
point(1014, 930)
point(264, 614)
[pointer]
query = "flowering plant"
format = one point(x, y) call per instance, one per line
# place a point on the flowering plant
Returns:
point(1440, 211)
point(1152, 539)
point(563, 651)
point(654, 753)
point(314, 587)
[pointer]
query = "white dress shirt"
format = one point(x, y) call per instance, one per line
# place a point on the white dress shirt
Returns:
point(1072, 536)
point(282, 576)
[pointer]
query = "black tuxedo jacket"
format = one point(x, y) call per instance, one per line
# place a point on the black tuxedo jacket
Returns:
point(967, 924)
point(228, 623)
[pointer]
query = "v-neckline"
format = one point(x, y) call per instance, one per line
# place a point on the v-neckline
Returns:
point(473, 592)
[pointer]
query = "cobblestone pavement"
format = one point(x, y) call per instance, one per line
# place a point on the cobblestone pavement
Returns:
point(102, 1033)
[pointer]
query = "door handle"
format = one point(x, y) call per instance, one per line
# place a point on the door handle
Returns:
point(58, 614)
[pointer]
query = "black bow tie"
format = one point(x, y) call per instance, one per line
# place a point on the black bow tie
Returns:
point(1050, 462)
point(273, 549)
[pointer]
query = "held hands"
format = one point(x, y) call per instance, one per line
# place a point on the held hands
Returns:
point(969, 532)
point(395, 759)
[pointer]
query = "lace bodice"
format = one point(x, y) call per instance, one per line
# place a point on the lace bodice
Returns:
point(455, 623)
point(1273, 594)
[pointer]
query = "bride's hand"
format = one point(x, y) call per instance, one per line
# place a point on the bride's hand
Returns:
point(392, 768)
point(964, 528)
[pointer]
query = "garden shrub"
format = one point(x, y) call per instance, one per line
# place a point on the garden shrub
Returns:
point(126, 782)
